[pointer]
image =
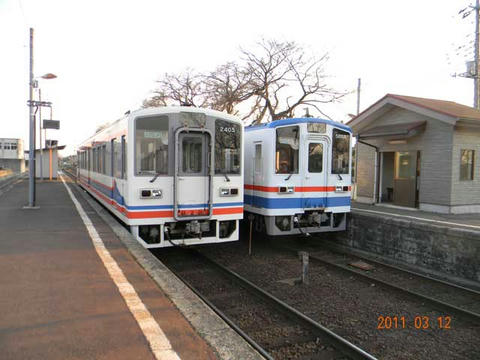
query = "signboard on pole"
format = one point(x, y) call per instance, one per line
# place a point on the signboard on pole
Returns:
point(51, 143)
point(51, 124)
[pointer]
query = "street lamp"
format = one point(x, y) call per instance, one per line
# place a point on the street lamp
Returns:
point(47, 76)
point(32, 104)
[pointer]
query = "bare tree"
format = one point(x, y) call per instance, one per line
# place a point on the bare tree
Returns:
point(270, 82)
point(155, 101)
point(285, 78)
point(187, 88)
point(228, 86)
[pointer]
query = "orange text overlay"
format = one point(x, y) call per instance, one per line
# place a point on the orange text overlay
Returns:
point(420, 322)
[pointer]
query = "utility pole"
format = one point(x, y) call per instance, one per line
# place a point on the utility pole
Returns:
point(359, 86)
point(31, 152)
point(40, 132)
point(476, 80)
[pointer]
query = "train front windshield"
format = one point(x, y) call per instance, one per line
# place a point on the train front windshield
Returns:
point(227, 147)
point(340, 152)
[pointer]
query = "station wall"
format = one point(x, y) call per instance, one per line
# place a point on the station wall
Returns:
point(447, 252)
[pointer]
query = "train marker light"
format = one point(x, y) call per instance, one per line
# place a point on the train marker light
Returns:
point(228, 191)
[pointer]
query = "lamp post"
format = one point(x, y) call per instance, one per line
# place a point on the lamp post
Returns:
point(31, 153)
point(31, 105)
point(47, 76)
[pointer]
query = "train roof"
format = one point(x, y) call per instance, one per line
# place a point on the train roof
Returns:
point(164, 110)
point(293, 121)
point(178, 109)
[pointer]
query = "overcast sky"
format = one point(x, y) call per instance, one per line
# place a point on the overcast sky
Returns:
point(108, 54)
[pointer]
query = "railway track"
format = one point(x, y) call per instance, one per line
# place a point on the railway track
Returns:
point(439, 294)
point(274, 328)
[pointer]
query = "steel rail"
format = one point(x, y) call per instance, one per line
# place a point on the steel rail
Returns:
point(467, 314)
point(338, 342)
point(224, 317)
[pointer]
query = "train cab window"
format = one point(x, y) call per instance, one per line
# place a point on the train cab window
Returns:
point(315, 158)
point(340, 152)
point(151, 145)
point(227, 147)
point(286, 151)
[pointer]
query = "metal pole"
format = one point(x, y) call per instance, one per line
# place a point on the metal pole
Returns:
point(476, 92)
point(31, 153)
point(40, 131)
point(358, 95)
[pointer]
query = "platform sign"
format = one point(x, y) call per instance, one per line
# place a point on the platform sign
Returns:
point(51, 124)
point(51, 143)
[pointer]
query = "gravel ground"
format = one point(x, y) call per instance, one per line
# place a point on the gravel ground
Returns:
point(351, 307)
point(272, 329)
point(449, 294)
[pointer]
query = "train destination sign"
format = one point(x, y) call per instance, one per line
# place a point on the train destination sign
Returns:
point(51, 124)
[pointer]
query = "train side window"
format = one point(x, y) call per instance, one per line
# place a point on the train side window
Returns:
point(315, 157)
point(112, 158)
point(104, 159)
point(286, 151)
point(117, 158)
point(95, 160)
point(340, 152)
point(100, 159)
point(151, 145)
point(124, 157)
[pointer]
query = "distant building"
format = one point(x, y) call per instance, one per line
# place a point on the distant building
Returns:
point(11, 154)
point(419, 153)
point(46, 163)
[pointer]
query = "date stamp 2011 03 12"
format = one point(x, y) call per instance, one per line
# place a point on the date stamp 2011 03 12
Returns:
point(420, 322)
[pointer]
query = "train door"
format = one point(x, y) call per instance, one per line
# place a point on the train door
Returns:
point(315, 182)
point(193, 175)
point(257, 174)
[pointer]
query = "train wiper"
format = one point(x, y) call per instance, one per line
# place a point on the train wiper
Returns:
point(155, 177)
point(226, 177)
point(288, 177)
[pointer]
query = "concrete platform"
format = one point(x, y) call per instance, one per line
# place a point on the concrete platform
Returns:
point(466, 221)
point(60, 298)
point(438, 245)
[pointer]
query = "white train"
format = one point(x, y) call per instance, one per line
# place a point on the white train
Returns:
point(173, 174)
point(298, 176)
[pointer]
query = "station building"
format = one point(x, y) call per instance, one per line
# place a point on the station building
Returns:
point(11, 154)
point(418, 153)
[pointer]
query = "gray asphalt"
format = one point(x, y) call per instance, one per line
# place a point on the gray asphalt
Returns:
point(57, 300)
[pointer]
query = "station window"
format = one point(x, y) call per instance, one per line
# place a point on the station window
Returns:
point(466, 164)
point(315, 158)
point(227, 147)
point(286, 152)
point(340, 152)
point(151, 145)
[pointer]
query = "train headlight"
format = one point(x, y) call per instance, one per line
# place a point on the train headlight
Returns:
point(150, 193)
point(157, 193)
point(286, 189)
point(338, 188)
point(228, 191)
